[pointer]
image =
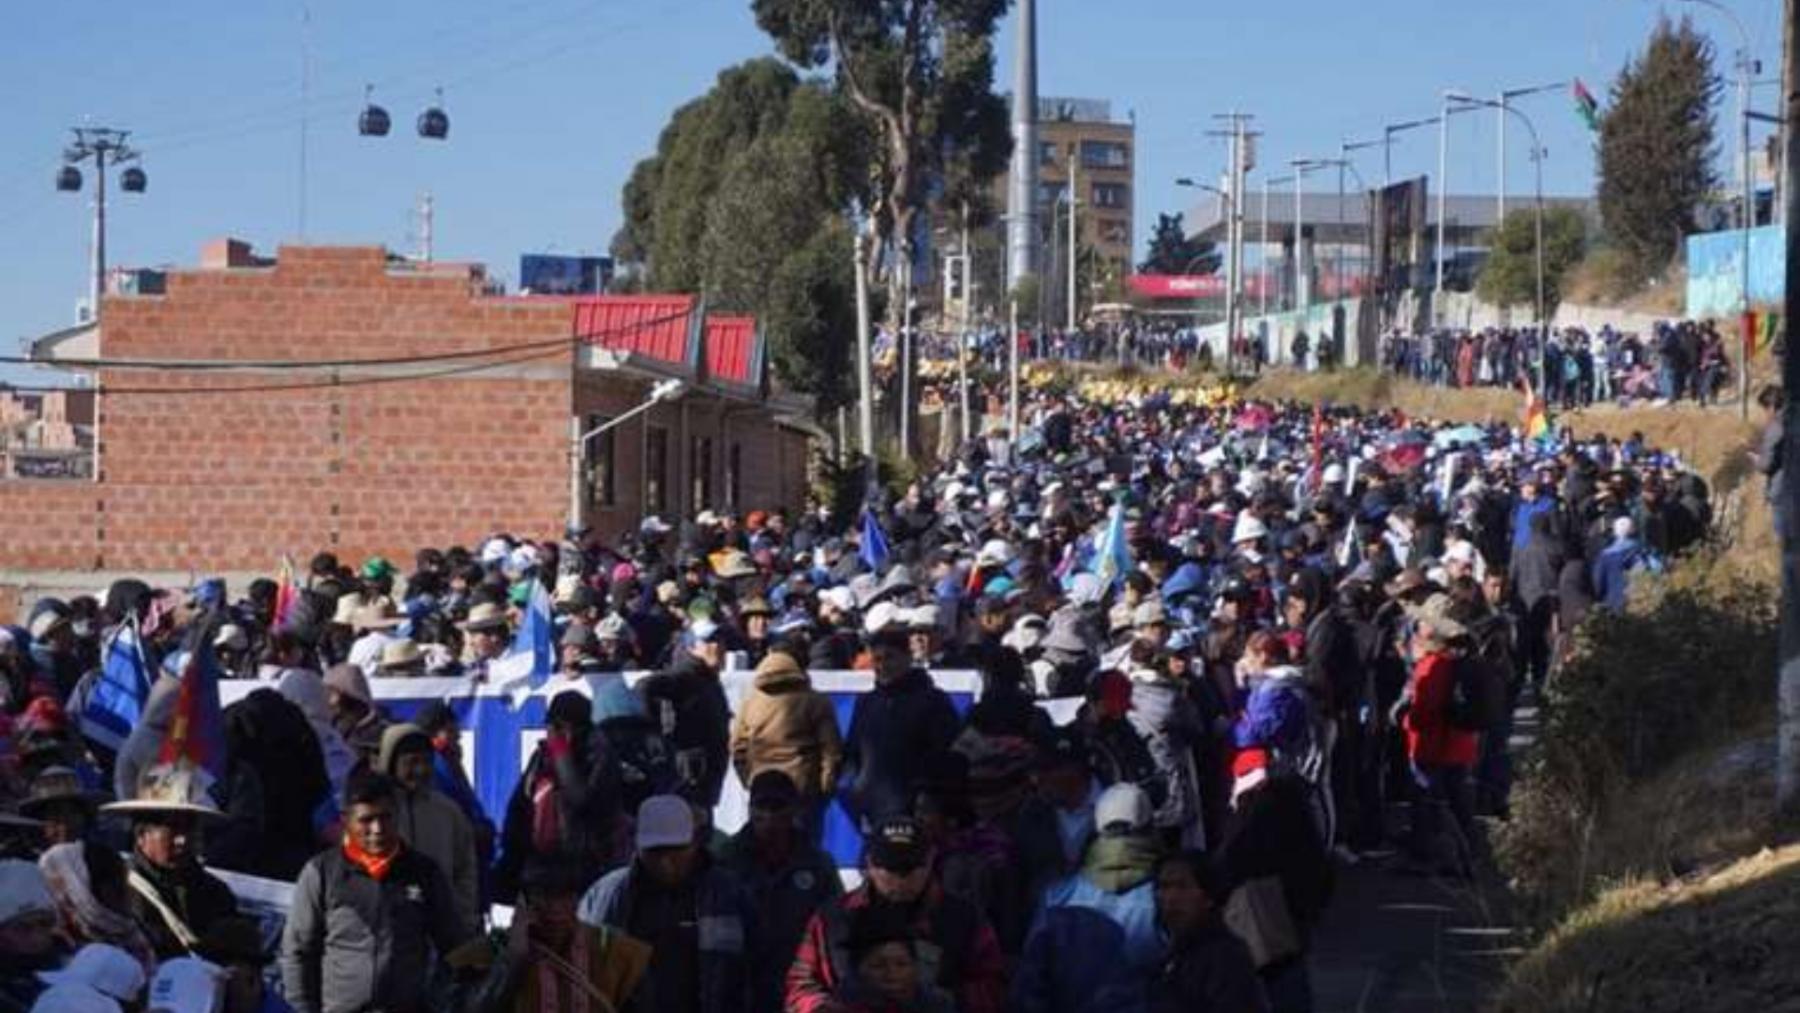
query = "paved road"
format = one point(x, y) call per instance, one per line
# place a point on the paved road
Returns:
point(1394, 943)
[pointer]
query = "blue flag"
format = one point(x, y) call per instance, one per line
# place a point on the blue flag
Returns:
point(117, 700)
point(532, 656)
point(1112, 556)
point(873, 550)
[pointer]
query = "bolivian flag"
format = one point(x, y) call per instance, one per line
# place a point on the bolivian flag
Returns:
point(1586, 106)
point(1536, 416)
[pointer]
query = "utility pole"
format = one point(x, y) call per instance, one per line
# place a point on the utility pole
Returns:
point(1437, 288)
point(865, 409)
point(426, 213)
point(1074, 201)
point(103, 146)
point(1241, 159)
point(1787, 773)
point(1012, 372)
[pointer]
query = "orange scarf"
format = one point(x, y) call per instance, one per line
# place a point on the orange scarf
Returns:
point(376, 866)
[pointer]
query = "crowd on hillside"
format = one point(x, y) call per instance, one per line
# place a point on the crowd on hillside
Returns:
point(1680, 360)
point(1223, 651)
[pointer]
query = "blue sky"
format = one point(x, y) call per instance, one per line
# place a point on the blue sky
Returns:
point(552, 102)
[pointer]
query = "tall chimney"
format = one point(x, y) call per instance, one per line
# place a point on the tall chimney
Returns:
point(1022, 235)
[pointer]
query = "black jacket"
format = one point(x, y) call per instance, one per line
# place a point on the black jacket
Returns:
point(588, 807)
point(688, 703)
point(1208, 971)
point(896, 731)
point(194, 895)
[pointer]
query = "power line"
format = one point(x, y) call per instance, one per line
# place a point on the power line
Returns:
point(278, 365)
point(540, 350)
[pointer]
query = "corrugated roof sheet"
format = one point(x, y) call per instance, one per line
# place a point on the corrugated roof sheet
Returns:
point(656, 327)
point(731, 350)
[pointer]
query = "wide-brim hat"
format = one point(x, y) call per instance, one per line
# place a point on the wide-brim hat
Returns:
point(756, 606)
point(379, 616)
point(401, 654)
point(732, 564)
point(169, 788)
point(58, 784)
point(484, 616)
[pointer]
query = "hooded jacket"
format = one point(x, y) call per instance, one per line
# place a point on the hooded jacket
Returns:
point(587, 796)
point(1095, 944)
point(688, 702)
point(433, 826)
point(784, 724)
point(895, 731)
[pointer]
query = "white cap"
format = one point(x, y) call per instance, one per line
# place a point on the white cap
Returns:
point(22, 890)
point(995, 553)
point(1334, 473)
point(1249, 528)
point(1086, 589)
point(1623, 528)
point(664, 821)
point(1123, 804)
point(881, 617)
point(840, 598)
point(187, 985)
point(231, 637)
point(106, 969)
point(1460, 552)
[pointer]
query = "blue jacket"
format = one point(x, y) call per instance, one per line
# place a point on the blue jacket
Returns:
point(1612, 571)
point(1090, 948)
point(1523, 512)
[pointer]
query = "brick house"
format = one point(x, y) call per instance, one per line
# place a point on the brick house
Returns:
point(429, 412)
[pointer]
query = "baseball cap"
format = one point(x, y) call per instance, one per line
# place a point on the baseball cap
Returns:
point(897, 845)
point(664, 821)
point(1122, 808)
point(22, 890)
point(105, 969)
point(187, 985)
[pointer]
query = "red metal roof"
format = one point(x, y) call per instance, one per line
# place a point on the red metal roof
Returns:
point(731, 352)
point(658, 327)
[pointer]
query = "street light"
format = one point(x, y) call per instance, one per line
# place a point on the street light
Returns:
point(1443, 203)
point(1506, 97)
point(104, 146)
point(1302, 290)
point(664, 390)
point(1387, 145)
point(1263, 298)
point(1537, 160)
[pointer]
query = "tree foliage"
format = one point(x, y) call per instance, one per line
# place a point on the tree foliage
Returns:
point(1509, 278)
point(743, 202)
point(920, 73)
point(1657, 144)
point(1172, 252)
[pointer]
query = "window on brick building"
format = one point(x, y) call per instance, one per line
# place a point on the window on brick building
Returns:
point(1110, 195)
point(656, 471)
point(1104, 155)
point(600, 461)
point(700, 473)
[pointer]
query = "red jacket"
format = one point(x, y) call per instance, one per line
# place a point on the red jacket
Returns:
point(1430, 737)
point(952, 935)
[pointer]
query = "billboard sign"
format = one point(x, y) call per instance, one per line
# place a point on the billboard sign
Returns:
point(554, 274)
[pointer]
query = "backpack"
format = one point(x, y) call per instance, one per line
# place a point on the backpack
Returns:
point(1478, 693)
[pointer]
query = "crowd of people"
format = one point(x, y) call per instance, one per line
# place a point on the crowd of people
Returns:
point(1223, 650)
point(1680, 360)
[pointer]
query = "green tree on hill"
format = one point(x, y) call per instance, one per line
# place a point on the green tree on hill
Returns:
point(1657, 145)
point(1509, 278)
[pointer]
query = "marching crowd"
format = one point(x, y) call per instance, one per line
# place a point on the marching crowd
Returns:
point(1223, 650)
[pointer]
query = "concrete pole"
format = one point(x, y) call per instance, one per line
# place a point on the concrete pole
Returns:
point(1263, 261)
point(1749, 220)
point(1234, 159)
point(865, 409)
point(1012, 372)
point(1074, 237)
point(1787, 771)
point(97, 284)
point(1302, 293)
point(1500, 198)
point(577, 499)
point(1021, 213)
point(1437, 288)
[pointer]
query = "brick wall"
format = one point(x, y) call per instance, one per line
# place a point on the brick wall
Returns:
point(232, 481)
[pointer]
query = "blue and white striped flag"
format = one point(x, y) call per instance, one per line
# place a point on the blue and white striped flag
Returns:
point(1112, 556)
point(117, 700)
point(532, 656)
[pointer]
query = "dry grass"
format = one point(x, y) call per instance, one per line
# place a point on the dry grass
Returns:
point(1721, 943)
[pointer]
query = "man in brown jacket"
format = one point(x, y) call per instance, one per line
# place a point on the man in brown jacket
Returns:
point(784, 724)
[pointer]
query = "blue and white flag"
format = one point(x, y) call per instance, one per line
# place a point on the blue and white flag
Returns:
point(872, 546)
point(116, 702)
point(532, 656)
point(1112, 556)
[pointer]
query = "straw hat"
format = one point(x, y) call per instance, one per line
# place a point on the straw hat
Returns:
point(170, 788)
point(484, 616)
point(378, 616)
point(401, 654)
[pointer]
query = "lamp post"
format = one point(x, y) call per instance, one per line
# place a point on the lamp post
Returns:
point(1506, 97)
point(1537, 159)
point(103, 146)
point(578, 440)
point(1302, 290)
point(1443, 205)
point(1263, 305)
point(1746, 67)
point(1387, 145)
